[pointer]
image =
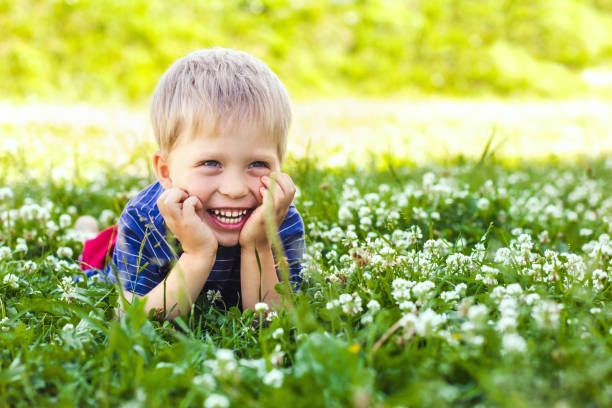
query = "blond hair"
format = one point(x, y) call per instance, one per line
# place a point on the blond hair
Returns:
point(211, 88)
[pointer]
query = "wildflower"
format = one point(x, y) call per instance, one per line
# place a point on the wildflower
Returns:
point(6, 193)
point(64, 252)
point(11, 280)
point(512, 342)
point(503, 256)
point(422, 291)
point(224, 365)
point(595, 310)
point(278, 333)
point(205, 380)
point(21, 246)
point(65, 220)
point(483, 204)
point(68, 327)
point(261, 307)
point(428, 323)
point(214, 295)
point(5, 253)
point(373, 306)
point(546, 314)
point(351, 304)
point(67, 289)
point(4, 324)
point(478, 314)
point(274, 378)
point(51, 227)
point(216, 401)
point(29, 267)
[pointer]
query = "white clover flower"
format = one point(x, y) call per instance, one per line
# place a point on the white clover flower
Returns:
point(278, 333)
point(546, 314)
point(365, 222)
point(483, 204)
point(429, 322)
point(344, 214)
point(351, 303)
point(6, 193)
point(373, 306)
point(514, 289)
point(216, 401)
point(65, 220)
point(4, 324)
point(51, 227)
point(459, 262)
point(67, 289)
point(21, 246)
point(204, 380)
point(214, 295)
point(29, 267)
point(422, 291)
point(407, 306)
point(531, 298)
point(261, 307)
point(506, 324)
point(11, 280)
point(595, 310)
point(503, 256)
point(224, 365)
point(513, 343)
point(68, 327)
point(64, 252)
point(107, 217)
point(274, 378)
point(449, 296)
point(5, 253)
point(478, 314)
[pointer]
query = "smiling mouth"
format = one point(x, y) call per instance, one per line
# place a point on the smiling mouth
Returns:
point(229, 216)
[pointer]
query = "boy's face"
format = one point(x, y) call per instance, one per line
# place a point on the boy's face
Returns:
point(224, 172)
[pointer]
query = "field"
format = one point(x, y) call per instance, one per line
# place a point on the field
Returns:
point(441, 270)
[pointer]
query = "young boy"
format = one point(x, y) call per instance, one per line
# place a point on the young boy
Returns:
point(220, 118)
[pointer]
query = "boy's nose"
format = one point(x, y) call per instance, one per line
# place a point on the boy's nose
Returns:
point(234, 186)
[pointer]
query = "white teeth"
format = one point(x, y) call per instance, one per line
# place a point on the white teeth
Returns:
point(235, 213)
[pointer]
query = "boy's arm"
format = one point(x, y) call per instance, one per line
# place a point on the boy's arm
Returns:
point(181, 287)
point(250, 276)
point(184, 282)
point(253, 236)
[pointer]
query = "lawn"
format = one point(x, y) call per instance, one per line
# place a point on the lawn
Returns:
point(438, 271)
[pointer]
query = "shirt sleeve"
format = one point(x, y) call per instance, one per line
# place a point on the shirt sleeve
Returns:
point(292, 237)
point(135, 259)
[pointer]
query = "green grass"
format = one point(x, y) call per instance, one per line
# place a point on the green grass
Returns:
point(79, 50)
point(60, 343)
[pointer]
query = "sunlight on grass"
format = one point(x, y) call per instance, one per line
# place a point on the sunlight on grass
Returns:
point(57, 138)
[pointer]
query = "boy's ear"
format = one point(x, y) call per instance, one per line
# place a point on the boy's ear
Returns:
point(162, 171)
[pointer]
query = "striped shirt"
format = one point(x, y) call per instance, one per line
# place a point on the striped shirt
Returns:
point(143, 255)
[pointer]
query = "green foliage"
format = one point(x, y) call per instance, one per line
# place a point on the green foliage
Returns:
point(61, 343)
point(117, 50)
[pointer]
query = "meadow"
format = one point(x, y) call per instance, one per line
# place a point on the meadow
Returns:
point(433, 277)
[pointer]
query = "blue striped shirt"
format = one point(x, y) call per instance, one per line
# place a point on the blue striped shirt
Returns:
point(143, 257)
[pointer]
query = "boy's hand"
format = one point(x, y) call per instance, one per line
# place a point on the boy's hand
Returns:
point(254, 230)
point(184, 215)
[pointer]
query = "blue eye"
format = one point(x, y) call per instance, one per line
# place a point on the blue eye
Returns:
point(259, 164)
point(210, 163)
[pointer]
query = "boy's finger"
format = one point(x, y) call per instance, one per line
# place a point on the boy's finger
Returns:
point(176, 195)
point(287, 185)
point(190, 206)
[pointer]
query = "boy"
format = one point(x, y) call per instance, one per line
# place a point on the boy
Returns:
point(220, 118)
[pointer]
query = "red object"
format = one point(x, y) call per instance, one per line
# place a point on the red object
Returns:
point(97, 249)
